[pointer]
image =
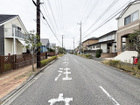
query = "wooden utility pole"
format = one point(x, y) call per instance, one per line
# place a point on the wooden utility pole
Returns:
point(38, 33)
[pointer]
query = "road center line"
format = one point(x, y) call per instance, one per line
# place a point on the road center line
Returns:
point(109, 96)
point(75, 60)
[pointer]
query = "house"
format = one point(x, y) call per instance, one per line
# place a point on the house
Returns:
point(89, 42)
point(107, 43)
point(53, 46)
point(45, 45)
point(12, 35)
point(128, 21)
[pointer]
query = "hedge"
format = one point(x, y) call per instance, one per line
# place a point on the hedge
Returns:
point(46, 61)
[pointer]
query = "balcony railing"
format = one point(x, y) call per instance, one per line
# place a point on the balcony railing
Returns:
point(21, 35)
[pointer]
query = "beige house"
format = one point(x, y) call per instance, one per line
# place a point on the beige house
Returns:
point(12, 35)
point(128, 21)
point(89, 42)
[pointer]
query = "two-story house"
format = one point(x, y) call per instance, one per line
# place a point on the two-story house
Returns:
point(106, 42)
point(12, 35)
point(89, 42)
point(128, 21)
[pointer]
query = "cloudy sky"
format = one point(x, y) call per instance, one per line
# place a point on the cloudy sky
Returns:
point(63, 16)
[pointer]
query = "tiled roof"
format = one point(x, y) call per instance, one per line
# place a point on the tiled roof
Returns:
point(4, 18)
point(44, 41)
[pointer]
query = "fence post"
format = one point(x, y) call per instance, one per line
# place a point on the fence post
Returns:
point(14, 62)
point(46, 54)
point(2, 64)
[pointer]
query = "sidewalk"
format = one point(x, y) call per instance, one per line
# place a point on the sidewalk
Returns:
point(11, 80)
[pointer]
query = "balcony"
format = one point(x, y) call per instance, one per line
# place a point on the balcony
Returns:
point(19, 34)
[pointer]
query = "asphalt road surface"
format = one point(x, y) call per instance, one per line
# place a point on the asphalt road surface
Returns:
point(73, 80)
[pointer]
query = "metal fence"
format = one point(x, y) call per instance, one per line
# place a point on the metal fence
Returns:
point(13, 62)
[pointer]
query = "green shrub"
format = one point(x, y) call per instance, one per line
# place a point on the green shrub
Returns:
point(138, 65)
point(46, 61)
point(98, 53)
point(132, 69)
point(114, 62)
point(51, 50)
point(88, 56)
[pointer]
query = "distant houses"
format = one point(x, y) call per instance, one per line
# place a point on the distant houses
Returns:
point(106, 42)
point(115, 42)
point(45, 45)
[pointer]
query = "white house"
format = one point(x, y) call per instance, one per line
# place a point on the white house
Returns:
point(12, 35)
point(106, 42)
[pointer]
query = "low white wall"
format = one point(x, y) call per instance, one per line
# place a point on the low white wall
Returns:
point(126, 56)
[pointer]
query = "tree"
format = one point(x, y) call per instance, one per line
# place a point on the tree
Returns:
point(61, 50)
point(134, 43)
point(31, 45)
point(51, 50)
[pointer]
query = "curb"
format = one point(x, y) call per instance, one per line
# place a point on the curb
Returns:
point(24, 83)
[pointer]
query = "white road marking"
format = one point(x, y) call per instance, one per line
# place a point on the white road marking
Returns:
point(75, 60)
point(109, 96)
point(66, 63)
point(60, 99)
point(57, 77)
point(60, 73)
point(67, 73)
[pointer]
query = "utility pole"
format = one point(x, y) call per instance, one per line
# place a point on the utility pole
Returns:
point(62, 43)
point(73, 43)
point(80, 36)
point(38, 33)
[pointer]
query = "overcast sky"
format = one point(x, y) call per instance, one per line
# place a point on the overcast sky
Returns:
point(63, 16)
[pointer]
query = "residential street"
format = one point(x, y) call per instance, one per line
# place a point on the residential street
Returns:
point(73, 80)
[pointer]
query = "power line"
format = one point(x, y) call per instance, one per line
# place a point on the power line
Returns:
point(53, 15)
point(109, 7)
point(107, 20)
point(49, 25)
point(51, 29)
point(49, 18)
point(47, 14)
point(86, 9)
point(92, 10)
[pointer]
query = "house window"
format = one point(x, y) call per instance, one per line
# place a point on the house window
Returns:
point(131, 18)
point(98, 46)
point(135, 16)
point(18, 28)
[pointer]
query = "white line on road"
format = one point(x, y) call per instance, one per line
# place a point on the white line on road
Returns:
point(109, 96)
point(75, 60)
point(58, 77)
